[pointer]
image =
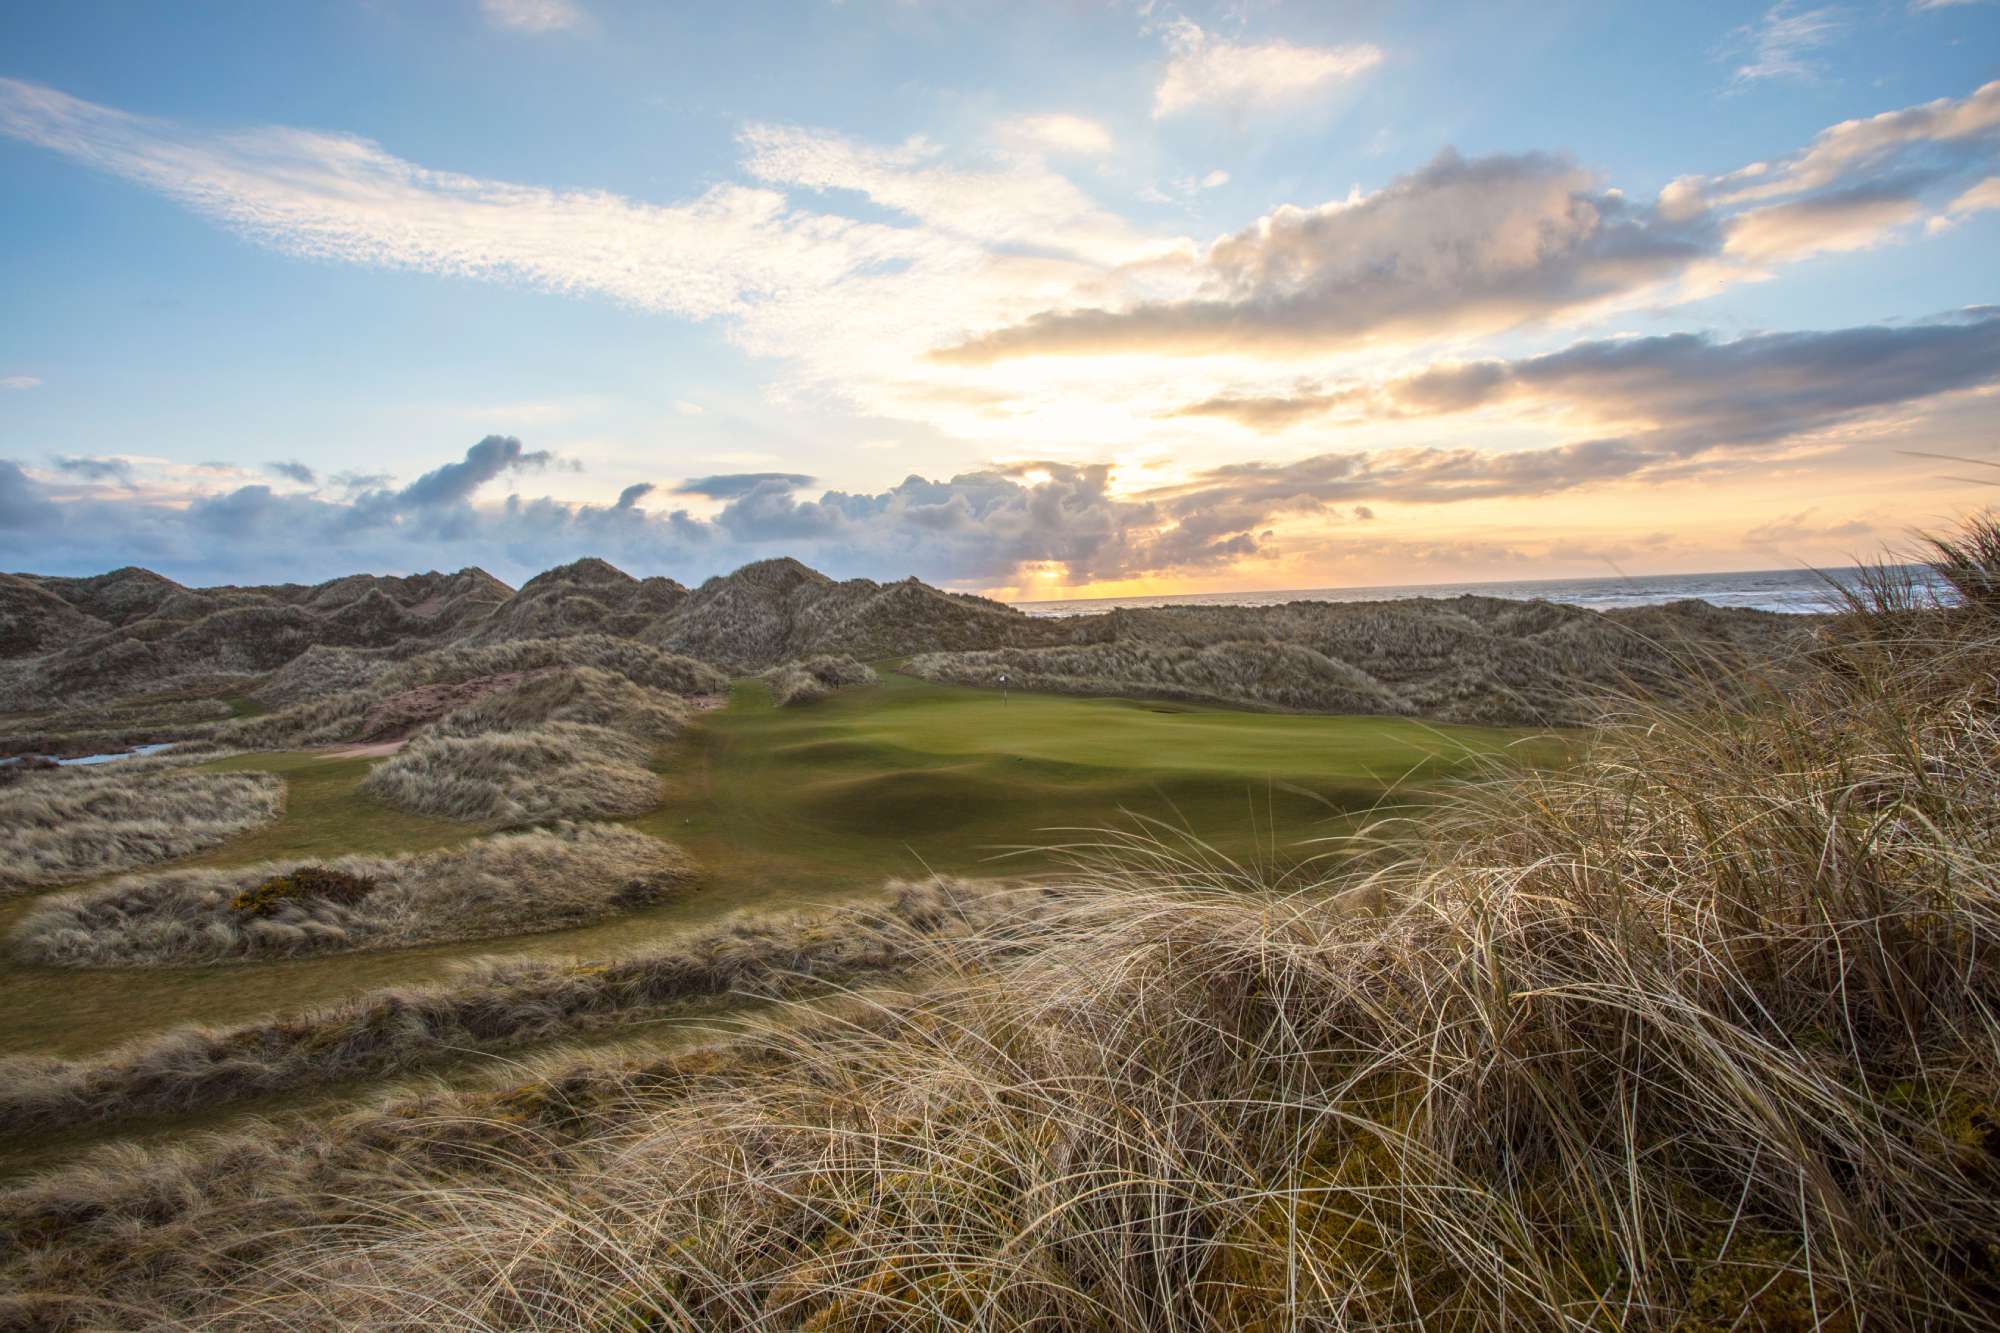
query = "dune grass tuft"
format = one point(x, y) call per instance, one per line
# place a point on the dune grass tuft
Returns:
point(813, 678)
point(508, 884)
point(562, 770)
point(61, 825)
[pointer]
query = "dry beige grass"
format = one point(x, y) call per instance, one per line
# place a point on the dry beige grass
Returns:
point(494, 1005)
point(561, 770)
point(61, 825)
point(814, 678)
point(509, 884)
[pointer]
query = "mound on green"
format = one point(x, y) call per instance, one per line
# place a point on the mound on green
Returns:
point(1699, 1032)
point(813, 678)
point(560, 770)
point(61, 825)
point(509, 884)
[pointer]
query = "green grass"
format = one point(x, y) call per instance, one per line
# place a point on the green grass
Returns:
point(800, 806)
point(907, 774)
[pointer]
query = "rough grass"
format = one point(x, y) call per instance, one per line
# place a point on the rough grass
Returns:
point(1266, 675)
point(1700, 1032)
point(334, 694)
point(514, 883)
point(1468, 659)
point(494, 1005)
point(560, 770)
point(814, 678)
point(61, 825)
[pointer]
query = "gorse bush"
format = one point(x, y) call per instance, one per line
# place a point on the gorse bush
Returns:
point(306, 883)
point(508, 884)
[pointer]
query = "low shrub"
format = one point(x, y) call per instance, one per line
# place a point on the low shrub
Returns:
point(303, 884)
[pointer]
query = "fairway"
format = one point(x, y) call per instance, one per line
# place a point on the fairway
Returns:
point(907, 774)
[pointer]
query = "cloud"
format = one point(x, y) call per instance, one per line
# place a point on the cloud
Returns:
point(533, 15)
point(1980, 198)
point(96, 469)
point(1945, 134)
point(1205, 71)
point(1677, 394)
point(629, 497)
point(1467, 247)
point(687, 409)
point(1464, 245)
point(334, 196)
point(1852, 219)
point(1805, 526)
point(295, 471)
point(734, 485)
point(1782, 43)
point(1058, 133)
point(456, 483)
point(1019, 203)
point(19, 382)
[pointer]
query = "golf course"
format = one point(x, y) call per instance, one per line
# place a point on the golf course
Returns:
point(804, 807)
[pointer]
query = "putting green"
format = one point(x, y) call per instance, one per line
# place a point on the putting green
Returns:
point(908, 774)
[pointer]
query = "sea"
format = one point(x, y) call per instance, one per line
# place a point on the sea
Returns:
point(1798, 591)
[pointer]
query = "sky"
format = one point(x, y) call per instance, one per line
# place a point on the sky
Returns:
point(1032, 299)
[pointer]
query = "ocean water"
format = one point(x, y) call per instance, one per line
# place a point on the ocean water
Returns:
point(1800, 591)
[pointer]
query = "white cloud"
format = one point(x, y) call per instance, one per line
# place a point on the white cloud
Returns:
point(532, 15)
point(1780, 45)
point(1058, 133)
point(18, 382)
point(687, 409)
point(1205, 70)
point(1981, 198)
point(1215, 180)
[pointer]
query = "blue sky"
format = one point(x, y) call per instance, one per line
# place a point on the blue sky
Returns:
point(1035, 299)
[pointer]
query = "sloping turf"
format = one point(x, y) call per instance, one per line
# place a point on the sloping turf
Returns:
point(891, 778)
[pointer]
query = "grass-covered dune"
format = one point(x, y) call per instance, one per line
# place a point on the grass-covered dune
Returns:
point(509, 884)
point(61, 825)
point(1466, 659)
point(558, 770)
point(812, 678)
point(1697, 1032)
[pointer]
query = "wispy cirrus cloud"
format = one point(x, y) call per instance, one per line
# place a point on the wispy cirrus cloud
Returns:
point(533, 15)
point(1782, 44)
point(1206, 71)
point(19, 382)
